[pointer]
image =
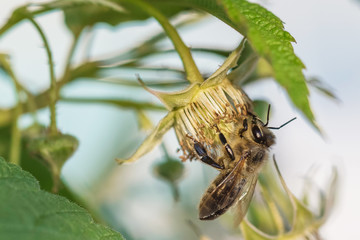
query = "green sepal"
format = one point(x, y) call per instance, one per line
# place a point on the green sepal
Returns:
point(174, 100)
point(152, 140)
point(220, 74)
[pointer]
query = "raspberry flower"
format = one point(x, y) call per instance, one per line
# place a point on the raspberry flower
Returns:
point(199, 112)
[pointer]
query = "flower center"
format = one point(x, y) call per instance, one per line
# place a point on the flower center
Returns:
point(212, 110)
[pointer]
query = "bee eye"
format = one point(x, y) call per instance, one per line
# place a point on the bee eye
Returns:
point(258, 135)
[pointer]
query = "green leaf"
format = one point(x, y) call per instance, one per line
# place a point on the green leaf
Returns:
point(261, 108)
point(16, 17)
point(82, 13)
point(86, 13)
point(26, 212)
point(267, 36)
point(322, 87)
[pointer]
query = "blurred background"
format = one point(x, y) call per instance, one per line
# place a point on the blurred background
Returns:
point(130, 198)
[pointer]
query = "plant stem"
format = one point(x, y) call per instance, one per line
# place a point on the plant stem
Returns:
point(192, 72)
point(53, 91)
point(66, 75)
point(15, 145)
point(123, 103)
point(166, 153)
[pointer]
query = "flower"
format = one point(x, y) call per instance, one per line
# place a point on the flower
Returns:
point(199, 112)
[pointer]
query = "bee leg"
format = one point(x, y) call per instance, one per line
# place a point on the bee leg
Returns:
point(244, 129)
point(204, 157)
point(228, 149)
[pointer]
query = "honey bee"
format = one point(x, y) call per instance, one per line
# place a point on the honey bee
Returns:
point(239, 167)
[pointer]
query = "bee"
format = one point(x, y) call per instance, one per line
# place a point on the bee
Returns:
point(239, 166)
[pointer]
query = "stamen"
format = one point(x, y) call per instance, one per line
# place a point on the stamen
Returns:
point(214, 105)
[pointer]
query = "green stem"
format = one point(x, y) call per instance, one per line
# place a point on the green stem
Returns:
point(117, 102)
point(15, 136)
point(166, 153)
point(15, 144)
point(53, 91)
point(67, 70)
point(90, 37)
point(191, 69)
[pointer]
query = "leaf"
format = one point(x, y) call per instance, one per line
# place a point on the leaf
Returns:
point(26, 212)
point(86, 13)
point(16, 17)
point(322, 87)
point(153, 139)
point(82, 13)
point(261, 108)
point(267, 36)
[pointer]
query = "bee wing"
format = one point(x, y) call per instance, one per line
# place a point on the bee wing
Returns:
point(224, 191)
point(245, 199)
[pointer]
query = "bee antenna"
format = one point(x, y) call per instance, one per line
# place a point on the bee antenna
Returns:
point(277, 128)
point(267, 116)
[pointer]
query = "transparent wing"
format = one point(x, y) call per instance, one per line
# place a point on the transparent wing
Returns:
point(245, 199)
point(226, 190)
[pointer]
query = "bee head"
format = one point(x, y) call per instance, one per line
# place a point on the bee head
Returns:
point(254, 129)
